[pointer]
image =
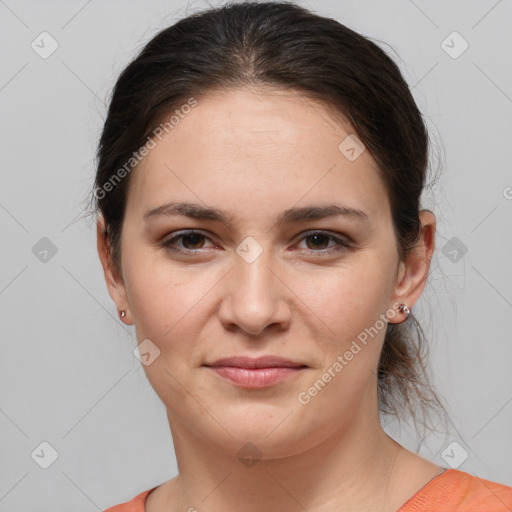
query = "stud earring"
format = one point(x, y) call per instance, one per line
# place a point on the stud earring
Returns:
point(121, 313)
point(403, 308)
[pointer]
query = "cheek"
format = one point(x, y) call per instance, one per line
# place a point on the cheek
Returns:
point(349, 307)
point(157, 290)
point(158, 298)
point(347, 299)
point(168, 301)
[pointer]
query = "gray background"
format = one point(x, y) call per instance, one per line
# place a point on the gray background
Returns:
point(68, 375)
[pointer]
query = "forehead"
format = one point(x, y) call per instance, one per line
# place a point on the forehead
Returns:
point(244, 147)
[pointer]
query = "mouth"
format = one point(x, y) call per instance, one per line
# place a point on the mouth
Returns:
point(257, 373)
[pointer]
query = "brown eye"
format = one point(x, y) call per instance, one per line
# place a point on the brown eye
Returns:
point(191, 241)
point(318, 241)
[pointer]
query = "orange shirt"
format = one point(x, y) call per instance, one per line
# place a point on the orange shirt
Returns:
point(451, 491)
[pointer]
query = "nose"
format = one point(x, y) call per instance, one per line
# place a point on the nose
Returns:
point(255, 297)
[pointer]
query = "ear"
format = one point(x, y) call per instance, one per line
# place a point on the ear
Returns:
point(413, 273)
point(113, 279)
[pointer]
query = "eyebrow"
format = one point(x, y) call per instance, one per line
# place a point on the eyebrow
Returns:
point(297, 214)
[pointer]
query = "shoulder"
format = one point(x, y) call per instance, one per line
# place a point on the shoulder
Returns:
point(136, 504)
point(458, 491)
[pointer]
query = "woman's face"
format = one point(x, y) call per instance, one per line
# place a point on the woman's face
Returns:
point(268, 279)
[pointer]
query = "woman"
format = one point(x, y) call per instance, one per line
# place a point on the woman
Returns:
point(258, 188)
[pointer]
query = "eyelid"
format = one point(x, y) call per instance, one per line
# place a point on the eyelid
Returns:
point(176, 235)
point(342, 244)
point(335, 236)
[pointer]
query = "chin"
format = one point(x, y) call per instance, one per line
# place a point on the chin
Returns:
point(270, 436)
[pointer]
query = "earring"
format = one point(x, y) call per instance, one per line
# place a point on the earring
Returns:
point(403, 308)
point(121, 313)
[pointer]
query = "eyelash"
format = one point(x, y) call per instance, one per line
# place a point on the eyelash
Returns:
point(342, 246)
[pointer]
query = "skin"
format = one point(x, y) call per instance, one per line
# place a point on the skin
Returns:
point(253, 154)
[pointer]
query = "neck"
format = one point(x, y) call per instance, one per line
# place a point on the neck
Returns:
point(347, 471)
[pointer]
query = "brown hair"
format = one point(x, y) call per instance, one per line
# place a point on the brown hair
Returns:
point(280, 44)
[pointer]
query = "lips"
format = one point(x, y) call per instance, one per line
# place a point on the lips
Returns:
point(256, 373)
point(260, 362)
